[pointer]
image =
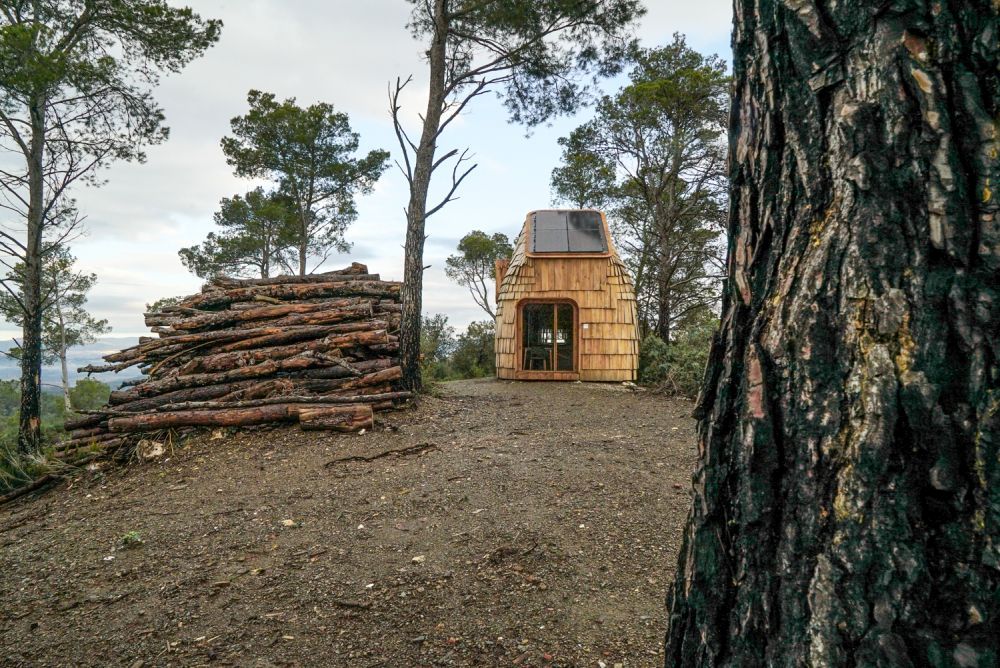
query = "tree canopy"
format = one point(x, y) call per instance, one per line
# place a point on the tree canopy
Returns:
point(309, 153)
point(75, 82)
point(654, 152)
point(474, 266)
point(537, 55)
point(258, 234)
point(66, 323)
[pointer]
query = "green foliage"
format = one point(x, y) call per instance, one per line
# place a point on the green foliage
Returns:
point(65, 321)
point(437, 341)
point(309, 153)
point(16, 469)
point(538, 51)
point(654, 153)
point(679, 367)
point(131, 539)
point(258, 234)
point(473, 356)
point(474, 267)
point(89, 394)
point(586, 179)
point(446, 356)
point(10, 397)
point(163, 303)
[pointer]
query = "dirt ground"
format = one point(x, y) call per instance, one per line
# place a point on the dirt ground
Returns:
point(529, 524)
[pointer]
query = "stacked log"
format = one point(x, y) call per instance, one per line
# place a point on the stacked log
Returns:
point(319, 350)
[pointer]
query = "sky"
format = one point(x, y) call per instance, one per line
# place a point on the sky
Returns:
point(344, 52)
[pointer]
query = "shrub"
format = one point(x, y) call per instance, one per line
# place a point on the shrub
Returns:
point(678, 367)
point(447, 357)
point(89, 394)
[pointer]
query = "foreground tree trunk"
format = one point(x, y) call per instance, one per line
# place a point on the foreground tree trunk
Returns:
point(416, 217)
point(29, 431)
point(847, 500)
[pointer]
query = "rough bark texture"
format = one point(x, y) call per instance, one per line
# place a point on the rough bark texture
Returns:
point(416, 210)
point(336, 418)
point(847, 499)
point(29, 432)
point(224, 375)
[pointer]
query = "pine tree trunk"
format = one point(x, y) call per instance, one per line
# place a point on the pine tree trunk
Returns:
point(265, 265)
point(29, 435)
point(663, 312)
point(847, 498)
point(413, 270)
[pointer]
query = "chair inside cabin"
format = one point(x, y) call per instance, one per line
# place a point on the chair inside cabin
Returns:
point(537, 358)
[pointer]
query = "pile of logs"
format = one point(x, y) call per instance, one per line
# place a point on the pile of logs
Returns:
point(318, 350)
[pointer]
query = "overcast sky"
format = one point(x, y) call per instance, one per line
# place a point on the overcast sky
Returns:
point(343, 52)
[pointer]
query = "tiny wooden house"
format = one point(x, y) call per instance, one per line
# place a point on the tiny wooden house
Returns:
point(565, 304)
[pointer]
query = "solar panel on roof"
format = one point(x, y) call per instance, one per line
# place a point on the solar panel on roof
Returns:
point(551, 241)
point(567, 232)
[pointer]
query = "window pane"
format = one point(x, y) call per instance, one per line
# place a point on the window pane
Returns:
point(564, 337)
point(538, 336)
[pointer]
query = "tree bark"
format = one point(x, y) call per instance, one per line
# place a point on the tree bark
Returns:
point(29, 435)
point(227, 361)
point(847, 497)
point(232, 417)
point(292, 291)
point(416, 216)
point(336, 418)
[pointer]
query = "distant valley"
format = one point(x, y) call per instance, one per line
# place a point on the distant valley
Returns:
point(78, 357)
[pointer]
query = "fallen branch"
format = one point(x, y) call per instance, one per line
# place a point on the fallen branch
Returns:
point(399, 452)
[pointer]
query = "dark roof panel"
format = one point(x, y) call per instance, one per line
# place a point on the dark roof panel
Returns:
point(550, 241)
point(567, 232)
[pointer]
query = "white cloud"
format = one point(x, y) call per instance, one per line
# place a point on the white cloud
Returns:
point(344, 53)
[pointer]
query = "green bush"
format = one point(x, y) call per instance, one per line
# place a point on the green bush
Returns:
point(473, 356)
point(447, 357)
point(678, 367)
point(16, 469)
point(89, 394)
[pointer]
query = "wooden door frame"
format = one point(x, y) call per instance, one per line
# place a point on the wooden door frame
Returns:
point(523, 374)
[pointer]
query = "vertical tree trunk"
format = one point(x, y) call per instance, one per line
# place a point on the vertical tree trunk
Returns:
point(67, 402)
point(303, 245)
point(29, 435)
point(413, 270)
point(663, 310)
point(847, 498)
point(265, 265)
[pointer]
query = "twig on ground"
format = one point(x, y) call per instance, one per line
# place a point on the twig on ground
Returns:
point(398, 452)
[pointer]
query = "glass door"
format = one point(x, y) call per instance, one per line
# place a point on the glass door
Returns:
point(547, 337)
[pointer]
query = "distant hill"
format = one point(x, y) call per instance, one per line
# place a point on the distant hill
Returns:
point(79, 356)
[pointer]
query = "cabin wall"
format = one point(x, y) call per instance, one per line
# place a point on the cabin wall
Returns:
point(607, 332)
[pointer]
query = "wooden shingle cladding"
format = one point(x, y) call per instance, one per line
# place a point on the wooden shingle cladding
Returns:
point(606, 338)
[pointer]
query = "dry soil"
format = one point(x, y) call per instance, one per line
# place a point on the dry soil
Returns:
point(494, 524)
